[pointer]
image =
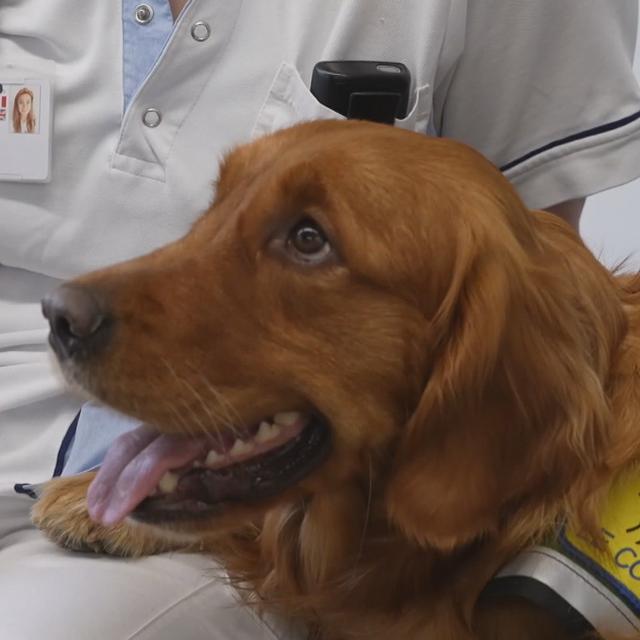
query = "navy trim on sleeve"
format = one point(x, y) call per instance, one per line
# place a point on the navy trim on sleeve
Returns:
point(589, 133)
point(25, 489)
point(64, 446)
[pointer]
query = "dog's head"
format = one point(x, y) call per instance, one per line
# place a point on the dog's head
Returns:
point(363, 313)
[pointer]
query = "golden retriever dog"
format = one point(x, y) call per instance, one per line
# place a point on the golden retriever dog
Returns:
point(372, 377)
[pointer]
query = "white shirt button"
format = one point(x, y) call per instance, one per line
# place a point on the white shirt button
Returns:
point(151, 118)
point(200, 31)
point(143, 14)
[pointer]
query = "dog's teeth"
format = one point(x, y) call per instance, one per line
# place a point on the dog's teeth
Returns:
point(212, 457)
point(287, 418)
point(169, 482)
point(267, 432)
point(239, 448)
point(197, 464)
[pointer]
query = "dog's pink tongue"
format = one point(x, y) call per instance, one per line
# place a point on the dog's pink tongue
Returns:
point(132, 468)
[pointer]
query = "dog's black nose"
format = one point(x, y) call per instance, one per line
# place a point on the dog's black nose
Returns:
point(77, 319)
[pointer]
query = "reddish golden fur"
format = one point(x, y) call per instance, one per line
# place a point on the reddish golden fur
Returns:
point(479, 368)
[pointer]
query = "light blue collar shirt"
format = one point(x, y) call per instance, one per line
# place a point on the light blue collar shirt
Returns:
point(146, 27)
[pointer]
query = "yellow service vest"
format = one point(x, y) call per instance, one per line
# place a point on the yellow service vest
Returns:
point(587, 587)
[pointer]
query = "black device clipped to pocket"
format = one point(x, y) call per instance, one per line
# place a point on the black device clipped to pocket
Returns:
point(363, 90)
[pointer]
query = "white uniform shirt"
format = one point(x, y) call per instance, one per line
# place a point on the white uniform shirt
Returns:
point(510, 77)
point(544, 88)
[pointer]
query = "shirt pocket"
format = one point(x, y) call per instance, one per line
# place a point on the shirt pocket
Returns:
point(418, 118)
point(289, 102)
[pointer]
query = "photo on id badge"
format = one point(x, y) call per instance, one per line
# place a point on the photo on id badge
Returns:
point(25, 127)
point(22, 108)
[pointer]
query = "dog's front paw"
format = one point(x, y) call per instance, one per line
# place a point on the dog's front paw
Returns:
point(61, 513)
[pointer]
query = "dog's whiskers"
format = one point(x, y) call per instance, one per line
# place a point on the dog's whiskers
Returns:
point(215, 418)
point(195, 419)
point(220, 402)
point(200, 400)
point(180, 421)
point(232, 417)
point(367, 515)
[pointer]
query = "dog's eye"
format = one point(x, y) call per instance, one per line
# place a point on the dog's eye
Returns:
point(307, 238)
point(307, 242)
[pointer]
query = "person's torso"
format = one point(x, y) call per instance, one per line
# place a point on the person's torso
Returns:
point(119, 187)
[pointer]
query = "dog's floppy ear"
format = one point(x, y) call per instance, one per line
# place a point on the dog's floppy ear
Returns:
point(514, 413)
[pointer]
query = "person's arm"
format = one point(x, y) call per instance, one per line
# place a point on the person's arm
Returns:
point(569, 211)
point(546, 90)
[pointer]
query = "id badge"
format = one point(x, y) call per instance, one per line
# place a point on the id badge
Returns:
point(26, 108)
